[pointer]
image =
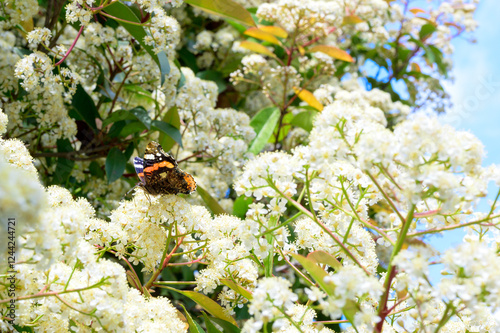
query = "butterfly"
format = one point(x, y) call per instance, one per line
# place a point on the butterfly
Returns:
point(159, 174)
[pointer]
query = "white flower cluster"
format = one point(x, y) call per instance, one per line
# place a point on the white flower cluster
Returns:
point(419, 156)
point(74, 287)
point(470, 284)
point(274, 80)
point(353, 162)
point(17, 12)
point(473, 280)
point(350, 283)
point(222, 135)
point(21, 195)
point(46, 100)
point(229, 242)
point(214, 45)
point(140, 225)
point(272, 298)
point(39, 36)
point(322, 18)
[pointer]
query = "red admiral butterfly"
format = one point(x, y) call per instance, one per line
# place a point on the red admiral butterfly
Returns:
point(159, 173)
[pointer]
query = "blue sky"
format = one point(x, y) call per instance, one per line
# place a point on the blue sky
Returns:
point(475, 94)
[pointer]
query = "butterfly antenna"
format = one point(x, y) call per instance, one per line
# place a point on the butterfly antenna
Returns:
point(136, 185)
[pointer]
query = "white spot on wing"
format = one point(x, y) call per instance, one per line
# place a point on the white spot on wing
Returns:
point(149, 156)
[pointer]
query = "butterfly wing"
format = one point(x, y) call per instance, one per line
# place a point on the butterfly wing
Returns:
point(161, 174)
point(139, 168)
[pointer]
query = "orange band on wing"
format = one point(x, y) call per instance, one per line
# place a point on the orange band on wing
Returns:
point(151, 168)
point(166, 164)
point(140, 175)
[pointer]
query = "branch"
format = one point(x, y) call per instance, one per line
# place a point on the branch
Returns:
point(71, 47)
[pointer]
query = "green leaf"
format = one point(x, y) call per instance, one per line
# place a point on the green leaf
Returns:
point(211, 203)
point(227, 8)
point(64, 166)
point(239, 27)
point(129, 151)
point(188, 59)
point(214, 76)
point(316, 272)
point(115, 164)
point(285, 128)
point(95, 170)
point(226, 326)
point(304, 120)
point(85, 108)
point(263, 123)
point(137, 113)
point(438, 55)
point(210, 327)
point(117, 116)
point(142, 115)
point(322, 257)
point(237, 288)
point(426, 30)
point(208, 304)
point(240, 206)
point(164, 66)
point(172, 118)
point(134, 127)
point(350, 309)
point(116, 128)
point(194, 327)
point(122, 11)
point(167, 129)
point(140, 96)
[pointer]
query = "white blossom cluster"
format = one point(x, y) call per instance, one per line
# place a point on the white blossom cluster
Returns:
point(163, 30)
point(271, 299)
point(17, 12)
point(214, 45)
point(276, 81)
point(317, 18)
point(47, 98)
point(53, 259)
point(353, 162)
point(222, 135)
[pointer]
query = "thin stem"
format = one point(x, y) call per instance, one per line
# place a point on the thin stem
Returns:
point(296, 269)
point(393, 206)
point(124, 21)
point(51, 293)
point(322, 226)
point(164, 264)
point(391, 271)
point(454, 226)
point(158, 283)
point(71, 47)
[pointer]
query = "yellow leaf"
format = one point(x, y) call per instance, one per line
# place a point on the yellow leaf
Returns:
point(351, 19)
point(332, 51)
point(256, 47)
point(302, 51)
point(262, 35)
point(237, 288)
point(415, 67)
point(27, 25)
point(309, 98)
point(415, 11)
point(276, 31)
point(226, 8)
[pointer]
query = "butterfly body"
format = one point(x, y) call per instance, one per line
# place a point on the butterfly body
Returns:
point(159, 174)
